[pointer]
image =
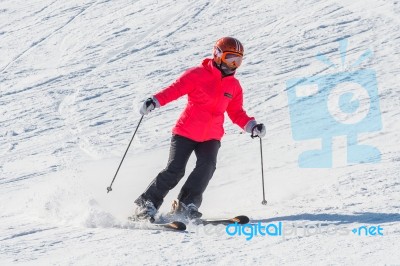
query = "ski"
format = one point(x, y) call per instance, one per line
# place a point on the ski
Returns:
point(168, 226)
point(241, 219)
point(172, 226)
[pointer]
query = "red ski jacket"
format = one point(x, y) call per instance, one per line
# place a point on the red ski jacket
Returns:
point(209, 96)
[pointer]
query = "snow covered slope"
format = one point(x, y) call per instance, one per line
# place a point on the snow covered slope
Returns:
point(72, 75)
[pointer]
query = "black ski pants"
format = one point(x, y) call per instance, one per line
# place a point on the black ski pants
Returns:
point(180, 151)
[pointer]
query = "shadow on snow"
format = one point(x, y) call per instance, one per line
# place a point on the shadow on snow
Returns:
point(358, 217)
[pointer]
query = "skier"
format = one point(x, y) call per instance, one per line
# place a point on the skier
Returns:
point(212, 89)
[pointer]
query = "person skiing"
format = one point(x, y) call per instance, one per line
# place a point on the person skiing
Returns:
point(212, 90)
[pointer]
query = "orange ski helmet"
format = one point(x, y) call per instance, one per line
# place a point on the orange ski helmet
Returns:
point(228, 50)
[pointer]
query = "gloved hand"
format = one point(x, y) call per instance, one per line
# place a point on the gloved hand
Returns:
point(149, 105)
point(258, 131)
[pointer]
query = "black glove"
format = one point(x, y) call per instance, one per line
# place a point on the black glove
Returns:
point(258, 131)
point(148, 106)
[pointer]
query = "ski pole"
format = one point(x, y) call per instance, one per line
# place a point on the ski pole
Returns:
point(109, 188)
point(264, 202)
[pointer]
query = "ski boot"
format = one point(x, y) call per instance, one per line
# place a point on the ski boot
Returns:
point(145, 211)
point(184, 212)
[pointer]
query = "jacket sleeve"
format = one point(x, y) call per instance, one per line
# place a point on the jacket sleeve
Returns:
point(235, 109)
point(183, 85)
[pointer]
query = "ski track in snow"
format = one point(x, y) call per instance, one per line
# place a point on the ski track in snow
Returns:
point(72, 76)
point(34, 44)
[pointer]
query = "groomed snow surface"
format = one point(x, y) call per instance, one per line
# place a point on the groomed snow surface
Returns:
point(72, 75)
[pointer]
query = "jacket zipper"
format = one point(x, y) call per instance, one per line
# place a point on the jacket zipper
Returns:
point(216, 99)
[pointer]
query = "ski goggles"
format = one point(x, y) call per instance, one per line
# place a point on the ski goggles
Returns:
point(231, 59)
